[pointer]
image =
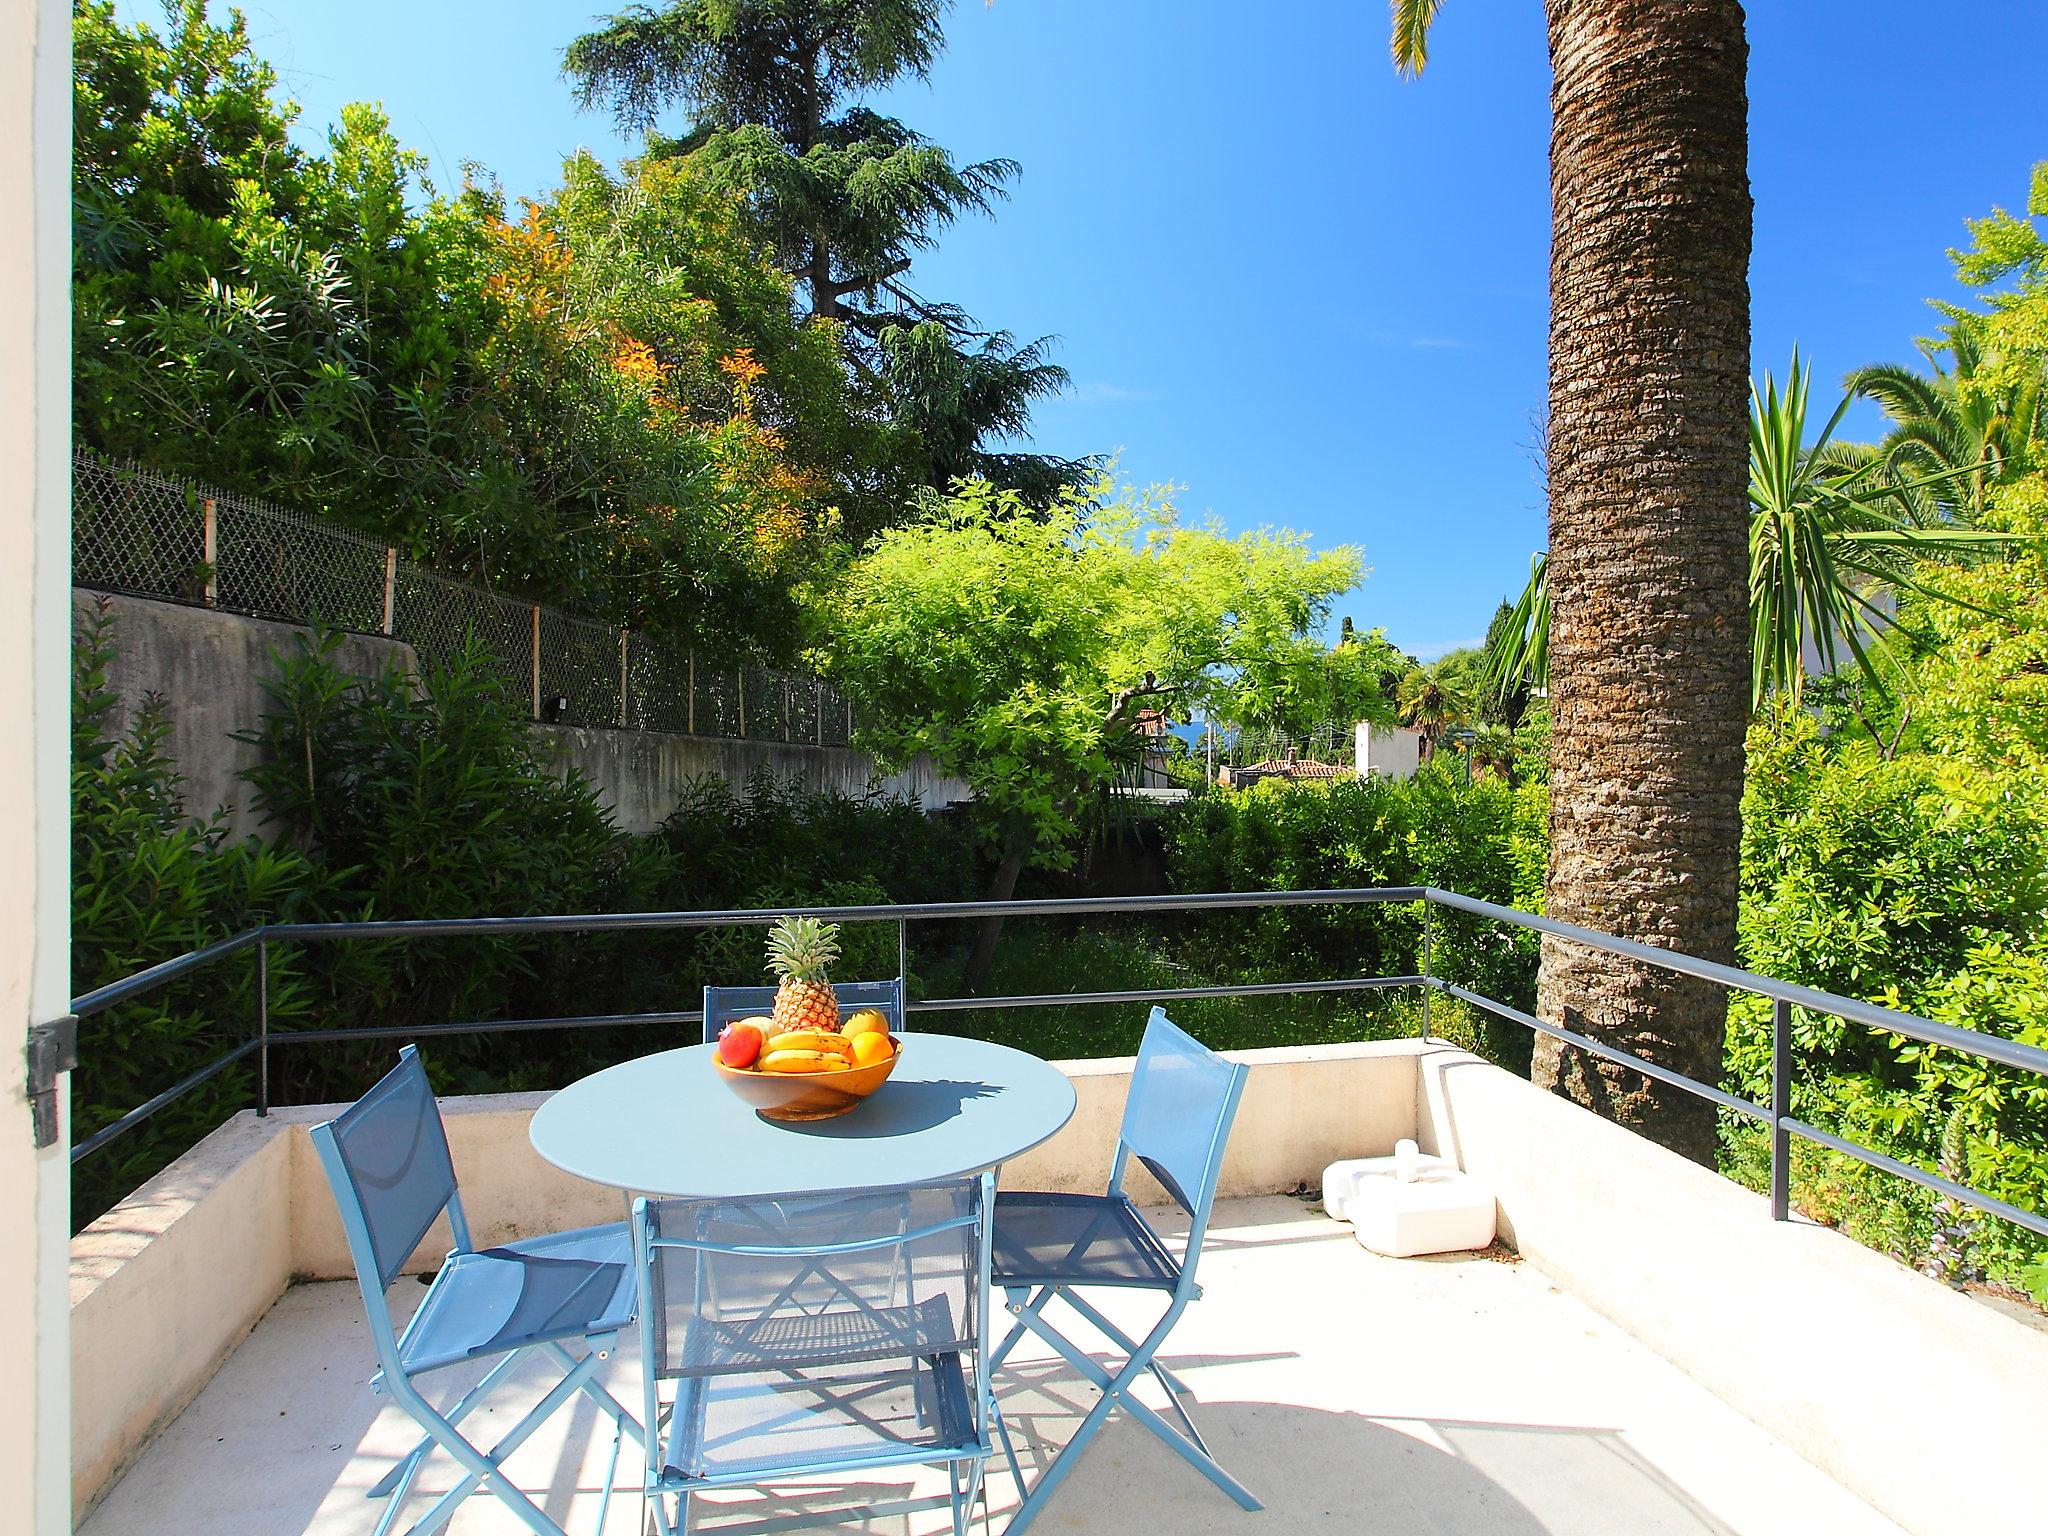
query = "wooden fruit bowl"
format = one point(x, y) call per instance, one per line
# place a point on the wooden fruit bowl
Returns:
point(807, 1095)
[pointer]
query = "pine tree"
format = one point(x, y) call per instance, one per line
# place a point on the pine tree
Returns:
point(773, 90)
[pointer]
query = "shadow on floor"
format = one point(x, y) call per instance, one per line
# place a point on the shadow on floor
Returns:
point(1316, 1470)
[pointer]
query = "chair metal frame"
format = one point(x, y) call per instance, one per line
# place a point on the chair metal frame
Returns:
point(375, 1271)
point(966, 1461)
point(1027, 1302)
point(724, 1004)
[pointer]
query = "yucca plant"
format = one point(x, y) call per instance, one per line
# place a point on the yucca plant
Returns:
point(1829, 535)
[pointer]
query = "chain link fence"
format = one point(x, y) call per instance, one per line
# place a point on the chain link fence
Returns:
point(136, 531)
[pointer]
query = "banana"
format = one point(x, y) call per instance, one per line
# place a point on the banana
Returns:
point(808, 1040)
point(804, 1061)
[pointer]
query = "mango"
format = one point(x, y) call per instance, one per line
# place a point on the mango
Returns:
point(867, 1021)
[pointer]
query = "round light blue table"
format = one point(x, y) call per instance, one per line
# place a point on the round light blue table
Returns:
point(666, 1125)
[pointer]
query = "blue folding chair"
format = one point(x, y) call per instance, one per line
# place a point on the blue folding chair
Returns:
point(1177, 1118)
point(724, 1004)
point(812, 1337)
point(387, 1159)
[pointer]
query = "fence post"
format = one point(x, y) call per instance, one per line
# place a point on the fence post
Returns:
point(740, 688)
point(536, 661)
point(209, 549)
point(690, 722)
point(390, 588)
point(788, 717)
point(262, 1027)
point(1781, 1110)
point(818, 689)
point(622, 679)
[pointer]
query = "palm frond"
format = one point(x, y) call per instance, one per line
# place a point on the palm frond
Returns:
point(1412, 21)
point(1520, 654)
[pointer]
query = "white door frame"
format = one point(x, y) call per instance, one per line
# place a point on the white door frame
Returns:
point(35, 694)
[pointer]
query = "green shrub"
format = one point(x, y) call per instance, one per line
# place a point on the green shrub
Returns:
point(1918, 882)
point(430, 796)
point(1483, 839)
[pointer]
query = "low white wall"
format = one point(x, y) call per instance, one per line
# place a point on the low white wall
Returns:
point(165, 1285)
point(1932, 1407)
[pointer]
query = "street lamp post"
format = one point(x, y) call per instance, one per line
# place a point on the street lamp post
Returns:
point(1465, 736)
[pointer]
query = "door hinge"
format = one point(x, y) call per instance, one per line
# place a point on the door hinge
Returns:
point(52, 1050)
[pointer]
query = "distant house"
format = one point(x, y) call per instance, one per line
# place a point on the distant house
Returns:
point(1155, 729)
point(1390, 753)
point(1293, 767)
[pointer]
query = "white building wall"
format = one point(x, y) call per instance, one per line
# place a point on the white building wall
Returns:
point(1392, 754)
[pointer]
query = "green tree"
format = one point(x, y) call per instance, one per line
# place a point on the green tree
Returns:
point(847, 196)
point(1650, 244)
point(1356, 679)
point(1433, 702)
point(1018, 647)
point(606, 399)
point(1955, 433)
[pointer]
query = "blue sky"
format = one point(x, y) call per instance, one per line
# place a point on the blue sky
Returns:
point(1308, 292)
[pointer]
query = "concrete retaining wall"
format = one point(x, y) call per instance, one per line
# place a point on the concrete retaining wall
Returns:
point(641, 774)
point(209, 666)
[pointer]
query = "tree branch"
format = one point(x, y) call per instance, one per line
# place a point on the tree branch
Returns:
point(1120, 711)
point(869, 280)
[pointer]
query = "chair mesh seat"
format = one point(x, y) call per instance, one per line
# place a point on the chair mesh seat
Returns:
point(758, 1424)
point(840, 1333)
point(564, 1286)
point(1055, 1239)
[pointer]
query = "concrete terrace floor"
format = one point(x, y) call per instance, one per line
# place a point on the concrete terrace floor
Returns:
point(1351, 1392)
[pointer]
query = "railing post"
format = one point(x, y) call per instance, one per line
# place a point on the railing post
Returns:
point(209, 549)
point(263, 1026)
point(390, 589)
point(1781, 1110)
point(1427, 908)
point(903, 952)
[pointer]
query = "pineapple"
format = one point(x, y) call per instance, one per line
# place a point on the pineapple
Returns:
point(800, 952)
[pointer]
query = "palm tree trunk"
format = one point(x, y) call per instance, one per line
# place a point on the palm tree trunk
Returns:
point(1649, 657)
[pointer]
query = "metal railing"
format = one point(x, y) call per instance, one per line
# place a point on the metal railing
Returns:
point(152, 535)
point(1785, 996)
